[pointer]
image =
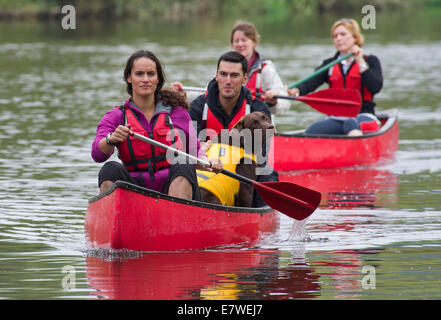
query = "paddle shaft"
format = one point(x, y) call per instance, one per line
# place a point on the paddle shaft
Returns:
point(168, 148)
point(315, 99)
point(322, 69)
point(317, 72)
point(256, 184)
point(319, 100)
point(198, 89)
point(201, 161)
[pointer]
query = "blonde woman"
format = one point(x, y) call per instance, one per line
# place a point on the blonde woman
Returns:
point(361, 72)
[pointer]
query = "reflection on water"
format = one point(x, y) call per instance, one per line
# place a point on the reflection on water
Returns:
point(186, 275)
point(232, 275)
point(268, 274)
point(403, 270)
point(55, 88)
point(349, 187)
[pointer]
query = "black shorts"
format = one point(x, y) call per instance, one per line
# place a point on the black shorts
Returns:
point(113, 171)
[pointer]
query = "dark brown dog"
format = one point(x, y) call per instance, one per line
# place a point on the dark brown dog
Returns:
point(257, 123)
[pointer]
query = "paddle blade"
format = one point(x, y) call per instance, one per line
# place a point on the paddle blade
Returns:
point(334, 102)
point(288, 198)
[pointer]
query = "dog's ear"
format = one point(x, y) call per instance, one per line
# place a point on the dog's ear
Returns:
point(239, 124)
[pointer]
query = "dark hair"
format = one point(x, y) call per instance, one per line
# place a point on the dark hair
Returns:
point(148, 55)
point(173, 98)
point(234, 57)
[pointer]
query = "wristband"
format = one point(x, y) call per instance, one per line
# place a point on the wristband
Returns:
point(110, 142)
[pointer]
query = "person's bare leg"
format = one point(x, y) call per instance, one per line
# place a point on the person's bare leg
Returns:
point(105, 185)
point(181, 188)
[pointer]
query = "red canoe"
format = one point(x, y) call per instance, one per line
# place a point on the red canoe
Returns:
point(130, 217)
point(298, 151)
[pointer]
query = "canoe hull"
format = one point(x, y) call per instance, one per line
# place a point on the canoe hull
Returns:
point(134, 218)
point(301, 152)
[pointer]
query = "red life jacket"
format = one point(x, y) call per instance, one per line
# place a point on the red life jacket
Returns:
point(137, 155)
point(254, 82)
point(210, 121)
point(352, 80)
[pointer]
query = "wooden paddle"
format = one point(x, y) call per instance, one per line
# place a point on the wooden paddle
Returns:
point(322, 69)
point(288, 198)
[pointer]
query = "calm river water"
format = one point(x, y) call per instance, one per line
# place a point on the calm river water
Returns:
point(377, 234)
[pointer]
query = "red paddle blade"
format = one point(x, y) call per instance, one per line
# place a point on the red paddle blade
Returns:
point(288, 198)
point(334, 102)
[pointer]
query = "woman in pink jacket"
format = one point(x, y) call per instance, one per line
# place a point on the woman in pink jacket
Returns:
point(159, 114)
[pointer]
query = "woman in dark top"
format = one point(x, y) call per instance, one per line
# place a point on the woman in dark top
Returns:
point(360, 72)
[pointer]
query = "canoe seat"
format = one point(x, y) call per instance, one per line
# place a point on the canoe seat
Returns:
point(293, 133)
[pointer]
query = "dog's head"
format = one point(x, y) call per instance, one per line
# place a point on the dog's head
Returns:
point(251, 127)
point(253, 121)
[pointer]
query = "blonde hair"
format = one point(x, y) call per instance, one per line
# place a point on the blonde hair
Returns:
point(352, 26)
point(248, 29)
